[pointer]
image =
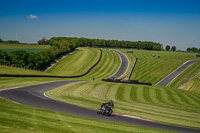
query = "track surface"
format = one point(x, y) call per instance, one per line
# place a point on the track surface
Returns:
point(34, 96)
point(177, 72)
point(124, 65)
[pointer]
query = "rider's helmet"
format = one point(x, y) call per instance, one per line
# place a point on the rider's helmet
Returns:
point(111, 103)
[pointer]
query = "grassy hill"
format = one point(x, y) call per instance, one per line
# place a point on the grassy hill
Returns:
point(152, 69)
point(76, 64)
point(160, 104)
point(25, 47)
point(108, 65)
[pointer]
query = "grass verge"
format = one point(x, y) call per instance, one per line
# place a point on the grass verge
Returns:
point(152, 69)
point(192, 70)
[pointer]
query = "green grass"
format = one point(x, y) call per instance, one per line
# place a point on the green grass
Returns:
point(161, 104)
point(108, 65)
point(192, 85)
point(18, 118)
point(19, 71)
point(152, 69)
point(192, 70)
point(76, 64)
point(25, 47)
point(9, 82)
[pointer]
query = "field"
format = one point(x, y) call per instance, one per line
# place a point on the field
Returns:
point(108, 65)
point(76, 64)
point(152, 69)
point(19, 71)
point(25, 47)
point(17, 118)
point(161, 104)
point(192, 85)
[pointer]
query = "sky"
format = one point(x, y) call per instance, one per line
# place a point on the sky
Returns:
point(170, 22)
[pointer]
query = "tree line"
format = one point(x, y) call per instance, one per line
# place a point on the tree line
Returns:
point(39, 60)
point(9, 41)
point(83, 42)
point(193, 49)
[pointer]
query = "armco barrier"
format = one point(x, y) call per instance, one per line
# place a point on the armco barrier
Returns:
point(132, 69)
point(126, 81)
point(76, 76)
point(188, 79)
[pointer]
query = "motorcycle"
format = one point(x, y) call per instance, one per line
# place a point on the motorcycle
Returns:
point(105, 110)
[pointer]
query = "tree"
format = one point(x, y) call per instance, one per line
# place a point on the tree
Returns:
point(1, 40)
point(43, 41)
point(188, 49)
point(173, 48)
point(193, 49)
point(167, 48)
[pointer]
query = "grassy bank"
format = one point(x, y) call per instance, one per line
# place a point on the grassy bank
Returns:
point(152, 69)
point(192, 70)
point(76, 64)
point(109, 64)
point(19, 71)
point(160, 104)
point(192, 85)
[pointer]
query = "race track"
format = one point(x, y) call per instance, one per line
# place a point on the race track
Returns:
point(176, 73)
point(34, 96)
point(123, 67)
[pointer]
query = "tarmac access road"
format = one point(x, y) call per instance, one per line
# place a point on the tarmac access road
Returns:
point(34, 96)
point(176, 73)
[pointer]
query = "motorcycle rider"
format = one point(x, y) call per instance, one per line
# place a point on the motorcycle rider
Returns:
point(109, 104)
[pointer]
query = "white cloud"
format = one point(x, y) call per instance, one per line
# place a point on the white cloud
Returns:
point(32, 16)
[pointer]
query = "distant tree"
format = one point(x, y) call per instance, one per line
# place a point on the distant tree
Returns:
point(4, 57)
point(193, 49)
point(173, 48)
point(12, 42)
point(1, 40)
point(167, 48)
point(156, 47)
point(43, 41)
point(188, 49)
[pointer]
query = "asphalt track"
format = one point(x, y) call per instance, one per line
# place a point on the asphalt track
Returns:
point(34, 96)
point(124, 65)
point(176, 73)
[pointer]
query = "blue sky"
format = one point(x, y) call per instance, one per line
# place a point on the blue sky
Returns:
point(173, 22)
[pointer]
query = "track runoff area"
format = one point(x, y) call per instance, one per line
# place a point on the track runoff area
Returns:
point(35, 96)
